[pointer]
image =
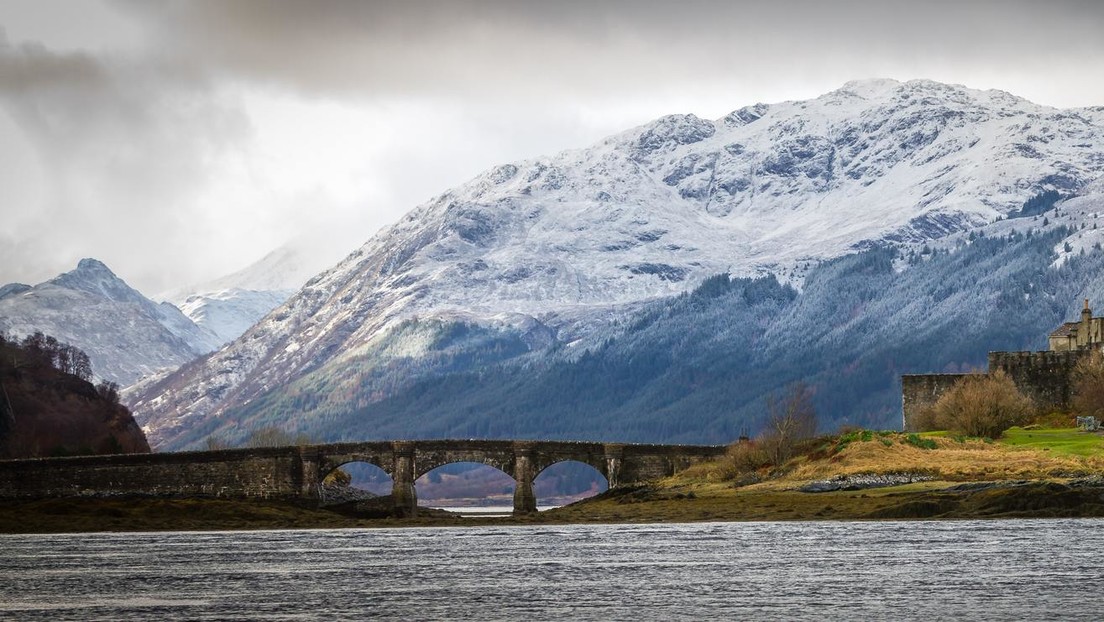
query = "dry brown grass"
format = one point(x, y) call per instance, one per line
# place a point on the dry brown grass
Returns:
point(951, 460)
point(963, 460)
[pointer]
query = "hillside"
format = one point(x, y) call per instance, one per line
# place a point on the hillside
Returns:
point(697, 369)
point(523, 276)
point(48, 407)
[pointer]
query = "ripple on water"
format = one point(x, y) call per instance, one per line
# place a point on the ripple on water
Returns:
point(995, 570)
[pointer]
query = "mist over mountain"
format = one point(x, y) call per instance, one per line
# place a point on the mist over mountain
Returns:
point(533, 269)
point(126, 335)
point(229, 305)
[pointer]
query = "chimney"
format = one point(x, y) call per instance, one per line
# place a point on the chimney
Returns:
point(1084, 337)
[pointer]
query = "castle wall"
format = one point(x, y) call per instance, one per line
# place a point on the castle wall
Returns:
point(920, 391)
point(1044, 376)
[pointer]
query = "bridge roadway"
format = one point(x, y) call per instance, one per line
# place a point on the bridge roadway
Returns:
point(297, 472)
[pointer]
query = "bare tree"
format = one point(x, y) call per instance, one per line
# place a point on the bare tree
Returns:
point(791, 418)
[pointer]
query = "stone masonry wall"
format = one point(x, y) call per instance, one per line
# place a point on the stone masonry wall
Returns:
point(296, 472)
point(921, 391)
point(1045, 376)
point(258, 473)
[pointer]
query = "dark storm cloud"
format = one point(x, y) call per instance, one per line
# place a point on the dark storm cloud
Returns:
point(126, 151)
point(121, 147)
point(543, 48)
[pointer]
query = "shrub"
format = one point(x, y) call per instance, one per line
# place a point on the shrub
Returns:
point(338, 477)
point(981, 405)
point(1088, 385)
point(745, 457)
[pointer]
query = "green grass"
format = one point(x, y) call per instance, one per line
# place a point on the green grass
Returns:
point(923, 443)
point(1061, 441)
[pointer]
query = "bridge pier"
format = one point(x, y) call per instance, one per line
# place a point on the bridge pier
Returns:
point(404, 498)
point(310, 478)
point(525, 501)
point(614, 458)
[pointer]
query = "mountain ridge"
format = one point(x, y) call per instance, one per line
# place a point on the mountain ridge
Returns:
point(126, 335)
point(565, 244)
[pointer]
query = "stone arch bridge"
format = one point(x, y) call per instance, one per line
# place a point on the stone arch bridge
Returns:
point(297, 472)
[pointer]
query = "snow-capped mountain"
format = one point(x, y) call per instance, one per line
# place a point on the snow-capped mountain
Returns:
point(126, 335)
point(227, 313)
point(552, 247)
point(231, 304)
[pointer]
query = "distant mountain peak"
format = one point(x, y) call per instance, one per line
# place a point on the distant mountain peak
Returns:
point(89, 264)
point(869, 87)
point(125, 334)
point(94, 277)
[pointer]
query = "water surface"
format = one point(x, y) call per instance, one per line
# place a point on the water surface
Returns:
point(981, 570)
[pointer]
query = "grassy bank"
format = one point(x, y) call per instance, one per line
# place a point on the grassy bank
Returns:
point(1027, 473)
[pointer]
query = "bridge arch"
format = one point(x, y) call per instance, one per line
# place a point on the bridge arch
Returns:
point(430, 459)
point(567, 481)
point(359, 475)
point(332, 462)
point(465, 483)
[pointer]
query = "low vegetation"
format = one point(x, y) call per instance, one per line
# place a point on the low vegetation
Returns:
point(979, 405)
point(1022, 454)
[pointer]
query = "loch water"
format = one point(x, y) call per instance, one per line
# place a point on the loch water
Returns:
point(912, 570)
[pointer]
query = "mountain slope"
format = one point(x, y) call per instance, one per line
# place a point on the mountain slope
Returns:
point(229, 305)
point(698, 368)
point(126, 335)
point(552, 250)
point(230, 312)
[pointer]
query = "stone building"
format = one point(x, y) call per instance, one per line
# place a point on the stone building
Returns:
point(1086, 333)
point(1044, 376)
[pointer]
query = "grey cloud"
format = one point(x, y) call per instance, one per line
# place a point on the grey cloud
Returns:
point(128, 142)
point(542, 48)
point(123, 148)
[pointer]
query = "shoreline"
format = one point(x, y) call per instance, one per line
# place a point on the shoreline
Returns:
point(683, 503)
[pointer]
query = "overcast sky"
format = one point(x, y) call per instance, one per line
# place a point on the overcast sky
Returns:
point(180, 141)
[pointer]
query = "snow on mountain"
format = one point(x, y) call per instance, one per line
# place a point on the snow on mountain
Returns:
point(230, 312)
point(126, 335)
point(564, 242)
point(229, 305)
